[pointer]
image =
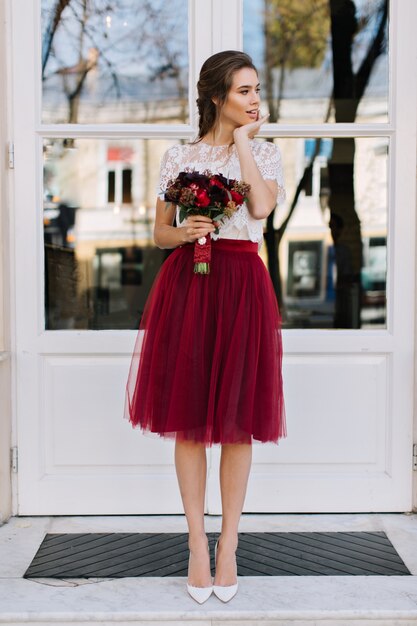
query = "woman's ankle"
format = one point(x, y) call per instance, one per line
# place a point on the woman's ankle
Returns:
point(228, 540)
point(197, 541)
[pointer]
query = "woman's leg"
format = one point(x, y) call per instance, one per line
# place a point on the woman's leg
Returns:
point(235, 463)
point(191, 468)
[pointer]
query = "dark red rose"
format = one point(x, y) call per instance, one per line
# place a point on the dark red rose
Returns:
point(202, 198)
point(224, 181)
point(195, 180)
point(237, 197)
point(216, 183)
point(218, 194)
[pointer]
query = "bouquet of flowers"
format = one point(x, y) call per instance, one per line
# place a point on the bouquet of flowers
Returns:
point(207, 194)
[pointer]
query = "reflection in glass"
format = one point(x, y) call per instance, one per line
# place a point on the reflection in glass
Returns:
point(326, 247)
point(99, 213)
point(322, 60)
point(116, 61)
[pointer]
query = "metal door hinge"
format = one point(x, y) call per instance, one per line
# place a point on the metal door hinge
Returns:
point(415, 456)
point(10, 151)
point(14, 459)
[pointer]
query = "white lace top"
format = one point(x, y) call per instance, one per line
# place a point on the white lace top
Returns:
point(224, 160)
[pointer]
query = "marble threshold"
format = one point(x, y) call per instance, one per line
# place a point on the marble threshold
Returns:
point(270, 600)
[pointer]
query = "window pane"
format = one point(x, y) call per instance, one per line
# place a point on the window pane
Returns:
point(325, 248)
point(115, 61)
point(305, 54)
point(99, 213)
point(111, 186)
point(327, 245)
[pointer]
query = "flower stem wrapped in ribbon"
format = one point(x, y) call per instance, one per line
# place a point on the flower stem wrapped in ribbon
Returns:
point(207, 194)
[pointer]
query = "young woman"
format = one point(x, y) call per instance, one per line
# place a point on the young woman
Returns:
point(207, 362)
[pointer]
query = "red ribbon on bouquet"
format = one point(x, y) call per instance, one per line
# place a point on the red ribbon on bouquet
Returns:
point(202, 255)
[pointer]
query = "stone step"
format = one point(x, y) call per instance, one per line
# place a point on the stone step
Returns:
point(270, 601)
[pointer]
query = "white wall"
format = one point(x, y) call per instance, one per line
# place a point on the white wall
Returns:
point(415, 378)
point(5, 352)
point(5, 427)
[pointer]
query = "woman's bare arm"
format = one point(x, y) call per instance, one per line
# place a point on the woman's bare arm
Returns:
point(168, 236)
point(263, 194)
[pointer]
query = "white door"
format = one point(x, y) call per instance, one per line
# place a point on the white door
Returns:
point(88, 137)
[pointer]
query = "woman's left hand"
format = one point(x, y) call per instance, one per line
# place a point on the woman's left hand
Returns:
point(251, 129)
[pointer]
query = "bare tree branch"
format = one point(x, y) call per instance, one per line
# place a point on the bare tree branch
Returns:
point(51, 30)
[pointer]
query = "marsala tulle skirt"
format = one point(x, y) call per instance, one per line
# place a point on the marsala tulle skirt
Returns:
point(207, 360)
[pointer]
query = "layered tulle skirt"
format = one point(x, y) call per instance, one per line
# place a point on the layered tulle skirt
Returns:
point(207, 360)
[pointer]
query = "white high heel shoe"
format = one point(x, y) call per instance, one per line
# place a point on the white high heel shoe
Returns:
point(224, 593)
point(199, 594)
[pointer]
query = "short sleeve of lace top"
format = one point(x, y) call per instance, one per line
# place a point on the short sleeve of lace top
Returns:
point(269, 163)
point(170, 167)
point(266, 153)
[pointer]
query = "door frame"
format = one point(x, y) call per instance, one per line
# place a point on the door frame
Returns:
point(397, 339)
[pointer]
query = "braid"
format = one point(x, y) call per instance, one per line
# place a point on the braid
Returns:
point(207, 112)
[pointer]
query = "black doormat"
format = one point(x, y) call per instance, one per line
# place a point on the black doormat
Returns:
point(118, 555)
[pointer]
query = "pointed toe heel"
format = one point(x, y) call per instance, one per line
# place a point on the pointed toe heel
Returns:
point(224, 593)
point(199, 594)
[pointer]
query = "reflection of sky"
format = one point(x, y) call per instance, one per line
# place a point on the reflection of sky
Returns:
point(119, 29)
point(326, 147)
point(253, 40)
point(131, 37)
point(136, 38)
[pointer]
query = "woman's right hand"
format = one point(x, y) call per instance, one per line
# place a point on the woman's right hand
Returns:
point(196, 226)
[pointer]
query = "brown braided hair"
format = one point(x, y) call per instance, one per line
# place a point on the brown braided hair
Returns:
point(215, 81)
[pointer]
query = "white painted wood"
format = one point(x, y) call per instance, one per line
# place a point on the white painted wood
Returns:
point(5, 352)
point(174, 131)
point(227, 25)
point(348, 393)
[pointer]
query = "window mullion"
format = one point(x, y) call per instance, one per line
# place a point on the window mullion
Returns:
point(173, 131)
point(133, 131)
point(327, 130)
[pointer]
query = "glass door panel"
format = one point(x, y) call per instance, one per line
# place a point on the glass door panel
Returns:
point(98, 219)
point(306, 57)
point(119, 61)
point(326, 246)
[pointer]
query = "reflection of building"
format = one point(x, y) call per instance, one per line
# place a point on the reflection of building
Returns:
point(113, 184)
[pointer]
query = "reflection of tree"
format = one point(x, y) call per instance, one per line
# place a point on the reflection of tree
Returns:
point(74, 76)
point(295, 36)
point(50, 30)
point(122, 42)
point(348, 90)
point(169, 64)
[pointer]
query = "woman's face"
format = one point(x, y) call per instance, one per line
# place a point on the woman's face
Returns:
point(243, 99)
